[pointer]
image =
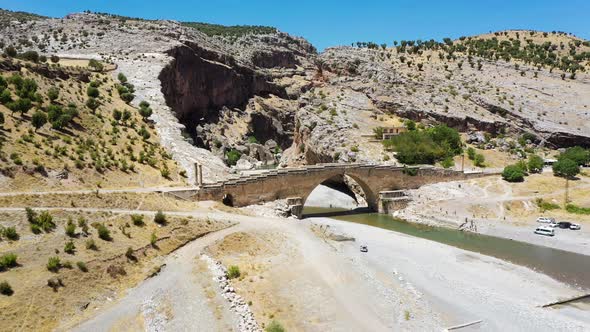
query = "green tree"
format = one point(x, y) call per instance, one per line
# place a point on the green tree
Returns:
point(92, 92)
point(117, 114)
point(5, 97)
point(411, 125)
point(535, 164)
point(39, 119)
point(53, 93)
point(513, 173)
point(10, 51)
point(578, 154)
point(122, 78)
point(566, 168)
point(92, 103)
point(54, 59)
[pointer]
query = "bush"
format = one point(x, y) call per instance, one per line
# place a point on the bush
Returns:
point(233, 156)
point(513, 173)
point(471, 153)
point(104, 233)
point(82, 266)
point(53, 93)
point(70, 228)
point(274, 326)
point(233, 272)
point(96, 65)
point(53, 264)
point(137, 219)
point(479, 160)
point(10, 51)
point(153, 239)
point(54, 59)
point(92, 103)
point(91, 245)
point(70, 248)
point(535, 164)
point(10, 233)
point(160, 218)
point(448, 162)
point(5, 288)
point(130, 254)
point(8, 260)
point(30, 56)
point(571, 208)
point(92, 92)
point(545, 206)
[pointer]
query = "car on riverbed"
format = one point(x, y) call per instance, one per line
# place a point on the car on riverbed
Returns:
point(575, 227)
point(545, 220)
point(545, 230)
point(364, 249)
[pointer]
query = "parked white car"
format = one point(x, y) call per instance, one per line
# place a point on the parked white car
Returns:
point(546, 220)
point(575, 227)
point(545, 230)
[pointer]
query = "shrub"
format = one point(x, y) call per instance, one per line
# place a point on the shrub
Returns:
point(54, 283)
point(513, 173)
point(479, 160)
point(122, 78)
point(104, 233)
point(70, 228)
point(92, 103)
point(545, 206)
point(274, 326)
point(10, 233)
point(8, 260)
point(571, 208)
point(92, 92)
point(378, 132)
point(160, 218)
point(53, 264)
point(91, 245)
point(53, 93)
point(535, 164)
point(233, 156)
point(10, 51)
point(5, 288)
point(471, 153)
point(54, 59)
point(137, 219)
point(129, 254)
point(448, 162)
point(70, 248)
point(96, 65)
point(153, 239)
point(82, 266)
point(233, 272)
point(117, 115)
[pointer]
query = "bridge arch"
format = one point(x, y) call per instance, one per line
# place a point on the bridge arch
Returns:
point(370, 196)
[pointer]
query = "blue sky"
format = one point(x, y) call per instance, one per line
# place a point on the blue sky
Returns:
point(329, 23)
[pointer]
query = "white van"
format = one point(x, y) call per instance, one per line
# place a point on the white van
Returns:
point(545, 230)
point(545, 220)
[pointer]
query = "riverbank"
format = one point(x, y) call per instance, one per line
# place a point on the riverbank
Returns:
point(503, 209)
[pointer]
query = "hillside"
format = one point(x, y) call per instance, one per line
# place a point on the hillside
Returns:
point(67, 127)
point(244, 97)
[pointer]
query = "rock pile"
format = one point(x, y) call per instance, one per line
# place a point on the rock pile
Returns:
point(237, 304)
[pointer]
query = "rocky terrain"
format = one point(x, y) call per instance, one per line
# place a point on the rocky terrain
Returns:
point(239, 98)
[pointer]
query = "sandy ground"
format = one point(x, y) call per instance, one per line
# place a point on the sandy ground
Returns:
point(294, 274)
point(504, 209)
point(323, 196)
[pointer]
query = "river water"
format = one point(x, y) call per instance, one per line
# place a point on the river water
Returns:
point(568, 267)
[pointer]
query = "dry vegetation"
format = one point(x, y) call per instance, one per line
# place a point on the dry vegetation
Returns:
point(90, 269)
point(64, 142)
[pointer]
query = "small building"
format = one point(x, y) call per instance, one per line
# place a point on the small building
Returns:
point(389, 132)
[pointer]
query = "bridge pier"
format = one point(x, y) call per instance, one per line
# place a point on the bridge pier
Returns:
point(295, 205)
point(392, 200)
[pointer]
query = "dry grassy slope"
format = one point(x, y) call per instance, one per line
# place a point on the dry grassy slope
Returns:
point(68, 151)
point(36, 307)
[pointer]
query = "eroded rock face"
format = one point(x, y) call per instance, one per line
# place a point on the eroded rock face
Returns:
point(199, 82)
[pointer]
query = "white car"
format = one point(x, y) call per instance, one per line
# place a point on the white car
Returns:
point(545, 220)
point(545, 230)
point(553, 224)
point(575, 227)
point(364, 249)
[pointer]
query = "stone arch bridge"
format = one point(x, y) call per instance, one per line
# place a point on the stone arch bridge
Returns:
point(298, 183)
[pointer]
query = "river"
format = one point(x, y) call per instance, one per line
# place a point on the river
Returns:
point(568, 267)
